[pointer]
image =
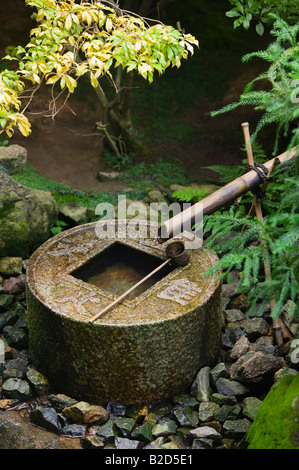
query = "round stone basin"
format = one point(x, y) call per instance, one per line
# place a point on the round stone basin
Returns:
point(149, 346)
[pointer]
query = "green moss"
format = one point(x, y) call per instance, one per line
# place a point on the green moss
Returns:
point(276, 425)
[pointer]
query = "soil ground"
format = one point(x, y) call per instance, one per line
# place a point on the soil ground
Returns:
point(68, 149)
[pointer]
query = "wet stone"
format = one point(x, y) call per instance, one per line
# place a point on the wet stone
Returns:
point(236, 428)
point(256, 327)
point(6, 301)
point(234, 315)
point(219, 370)
point(16, 337)
point(207, 411)
point(156, 444)
point(83, 412)
point(143, 432)
point(203, 444)
point(185, 400)
point(170, 445)
point(201, 385)
point(8, 318)
point(73, 430)
point(38, 381)
point(16, 388)
point(107, 431)
point(185, 416)
point(223, 399)
point(164, 428)
point(124, 426)
point(228, 412)
point(124, 443)
point(250, 407)
point(15, 368)
point(231, 335)
point(206, 432)
point(46, 418)
point(230, 387)
point(116, 408)
point(61, 401)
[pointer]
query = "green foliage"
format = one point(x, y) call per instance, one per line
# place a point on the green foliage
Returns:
point(58, 227)
point(245, 11)
point(276, 424)
point(62, 193)
point(280, 102)
point(273, 242)
point(88, 39)
point(190, 194)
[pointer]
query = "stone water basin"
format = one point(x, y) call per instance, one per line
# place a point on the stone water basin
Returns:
point(150, 346)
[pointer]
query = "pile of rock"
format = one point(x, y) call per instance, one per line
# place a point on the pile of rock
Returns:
point(216, 412)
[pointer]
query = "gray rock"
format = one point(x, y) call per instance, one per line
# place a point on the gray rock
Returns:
point(230, 387)
point(15, 368)
point(107, 431)
point(256, 327)
point(202, 444)
point(228, 412)
point(231, 335)
point(6, 301)
point(13, 159)
point(124, 426)
point(46, 418)
point(206, 432)
point(254, 367)
point(219, 370)
point(16, 337)
point(16, 388)
point(108, 175)
point(61, 401)
point(8, 318)
point(26, 217)
point(124, 443)
point(73, 430)
point(185, 416)
point(234, 315)
point(143, 432)
point(164, 428)
point(38, 382)
point(185, 400)
point(156, 444)
point(223, 399)
point(250, 407)
point(236, 428)
point(201, 386)
point(207, 411)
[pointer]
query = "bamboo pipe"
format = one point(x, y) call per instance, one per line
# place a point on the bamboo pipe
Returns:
point(225, 195)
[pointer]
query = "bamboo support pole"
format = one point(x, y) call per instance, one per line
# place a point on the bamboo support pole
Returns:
point(278, 327)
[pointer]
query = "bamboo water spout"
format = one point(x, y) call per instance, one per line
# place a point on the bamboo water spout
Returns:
point(225, 195)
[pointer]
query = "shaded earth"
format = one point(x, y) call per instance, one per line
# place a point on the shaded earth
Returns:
point(68, 149)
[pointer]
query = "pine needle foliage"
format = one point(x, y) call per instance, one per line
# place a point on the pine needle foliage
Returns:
point(273, 242)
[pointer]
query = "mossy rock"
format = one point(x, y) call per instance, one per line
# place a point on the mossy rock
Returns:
point(276, 425)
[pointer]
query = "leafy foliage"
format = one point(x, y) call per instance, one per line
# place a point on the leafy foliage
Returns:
point(244, 11)
point(280, 102)
point(273, 242)
point(89, 39)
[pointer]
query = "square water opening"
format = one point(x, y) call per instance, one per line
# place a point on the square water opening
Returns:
point(117, 268)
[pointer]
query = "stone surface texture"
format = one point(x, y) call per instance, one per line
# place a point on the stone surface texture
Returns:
point(146, 348)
